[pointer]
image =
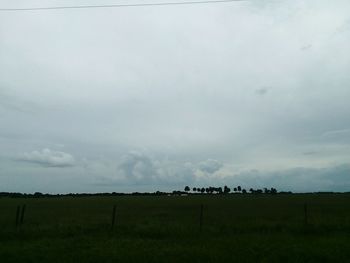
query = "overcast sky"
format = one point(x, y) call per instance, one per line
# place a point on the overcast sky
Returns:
point(252, 93)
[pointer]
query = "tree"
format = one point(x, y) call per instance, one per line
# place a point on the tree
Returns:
point(244, 191)
point(194, 189)
point(273, 191)
point(187, 188)
point(239, 188)
point(211, 189)
point(202, 190)
point(226, 189)
point(38, 194)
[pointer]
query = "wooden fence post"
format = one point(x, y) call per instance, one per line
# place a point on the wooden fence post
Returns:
point(22, 214)
point(17, 215)
point(113, 216)
point(305, 214)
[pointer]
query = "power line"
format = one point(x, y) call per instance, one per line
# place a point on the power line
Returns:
point(118, 5)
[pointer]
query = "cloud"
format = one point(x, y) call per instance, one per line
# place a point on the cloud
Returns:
point(210, 166)
point(261, 91)
point(140, 168)
point(298, 179)
point(9, 101)
point(337, 133)
point(228, 98)
point(137, 166)
point(341, 136)
point(343, 27)
point(306, 47)
point(310, 153)
point(49, 158)
point(178, 173)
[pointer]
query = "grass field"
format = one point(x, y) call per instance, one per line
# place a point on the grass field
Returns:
point(236, 228)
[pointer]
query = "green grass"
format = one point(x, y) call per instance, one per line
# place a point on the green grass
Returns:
point(236, 228)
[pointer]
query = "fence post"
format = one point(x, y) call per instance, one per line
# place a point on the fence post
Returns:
point(22, 214)
point(17, 215)
point(201, 219)
point(113, 216)
point(305, 214)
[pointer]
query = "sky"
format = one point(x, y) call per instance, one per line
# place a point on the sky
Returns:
point(251, 93)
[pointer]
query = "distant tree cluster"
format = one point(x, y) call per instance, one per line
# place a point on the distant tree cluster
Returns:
point(227, 190)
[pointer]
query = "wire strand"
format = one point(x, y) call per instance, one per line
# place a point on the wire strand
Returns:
point(118, 5)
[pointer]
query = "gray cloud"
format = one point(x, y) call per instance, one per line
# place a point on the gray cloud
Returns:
point(49, 158)
point(343, 28)
point(144, 171)
point(300, 179)
point(262, 91)
point(10, 102)
point(141, 168)
point(210, 166)
point(136, 166)
point(310, 152)
point(337, 133)
point(296, 179)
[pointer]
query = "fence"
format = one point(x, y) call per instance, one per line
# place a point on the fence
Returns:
point(21, 209)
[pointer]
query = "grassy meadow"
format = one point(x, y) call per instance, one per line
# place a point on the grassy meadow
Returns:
point(235, 228)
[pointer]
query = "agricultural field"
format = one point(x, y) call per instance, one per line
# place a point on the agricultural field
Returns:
point(231, 228)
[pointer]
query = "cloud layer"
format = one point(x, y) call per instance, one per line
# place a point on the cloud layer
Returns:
point(49, 158)
point(251, 91)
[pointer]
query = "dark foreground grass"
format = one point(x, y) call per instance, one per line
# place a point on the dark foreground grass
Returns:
point(236, 228)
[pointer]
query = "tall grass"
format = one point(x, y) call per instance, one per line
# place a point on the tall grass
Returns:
point(240, 228)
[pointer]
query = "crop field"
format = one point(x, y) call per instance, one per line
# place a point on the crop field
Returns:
point(231, 228)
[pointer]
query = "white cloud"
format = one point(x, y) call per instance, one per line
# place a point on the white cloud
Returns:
point(49, 158)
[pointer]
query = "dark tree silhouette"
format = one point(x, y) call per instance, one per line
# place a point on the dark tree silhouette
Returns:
point(211, 189)
point(266, 191)
point(202, 190)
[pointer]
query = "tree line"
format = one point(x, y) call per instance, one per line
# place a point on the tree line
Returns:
point(227, 190)
point(187, 190)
